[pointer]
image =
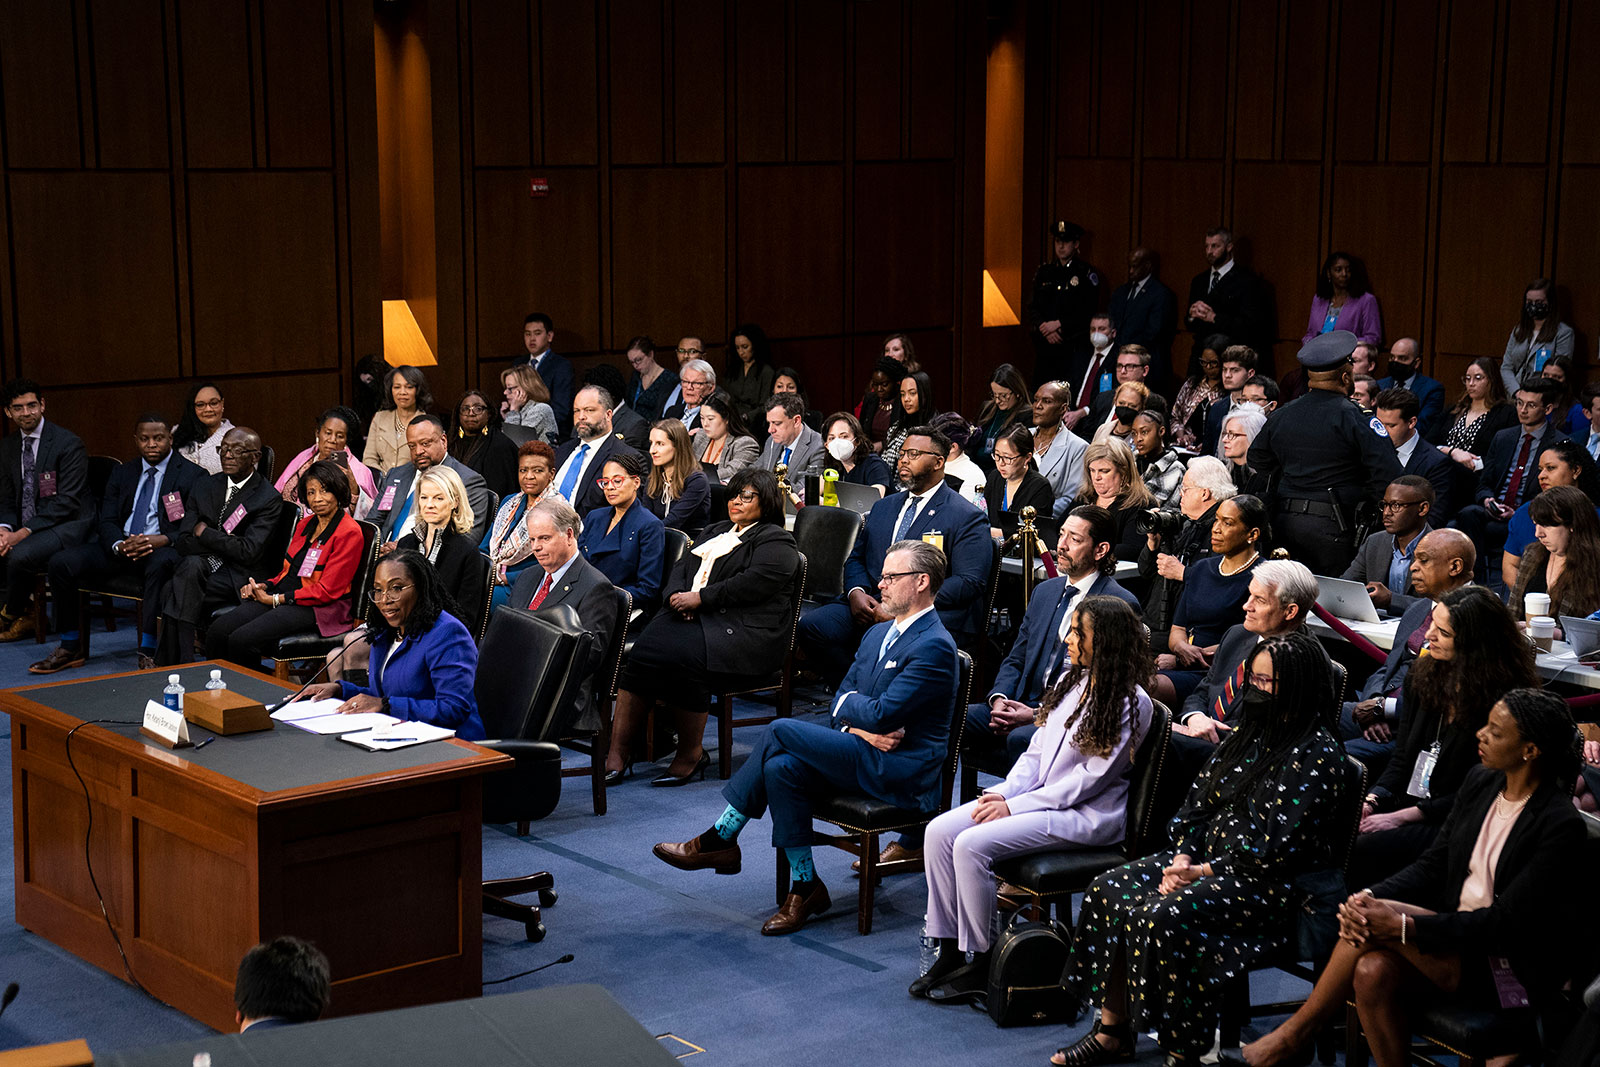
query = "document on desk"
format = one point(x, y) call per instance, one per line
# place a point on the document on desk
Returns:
point(398, 735)
point(307, 709)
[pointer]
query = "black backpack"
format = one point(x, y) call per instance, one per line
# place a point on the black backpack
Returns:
point(1025, 969)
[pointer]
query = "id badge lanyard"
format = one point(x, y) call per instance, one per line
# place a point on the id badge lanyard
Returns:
point(1422, 773)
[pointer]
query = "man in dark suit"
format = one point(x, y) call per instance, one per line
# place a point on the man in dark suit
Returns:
point(1405, 370)
point(633, 427)
point(1039, 655)
point(580, 460)
point(1383, 563)
point(1396, 409)
point(1227, 298)
point(565, 577)
point(1133, 365)
point(236, 514)
point(1510, 474)
point(429, 444)
point(538, 334)
point(147, 505)
point(1145, 313)
point(1444, 561)
point(1238, 367)
point(281, 982)
point(44, 501)
point(887, 738)
point(927, 509)
point(1282, 593)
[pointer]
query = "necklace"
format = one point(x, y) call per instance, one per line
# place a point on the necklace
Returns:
point(1511, 807)
point(1222, 565)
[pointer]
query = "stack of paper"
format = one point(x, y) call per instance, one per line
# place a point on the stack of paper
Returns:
point(371, 730)
point(397, 735)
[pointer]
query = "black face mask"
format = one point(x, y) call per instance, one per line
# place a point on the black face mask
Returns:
point(1253, 699)
point(1536, 309)
point(1400, 371)
point(1125, 414)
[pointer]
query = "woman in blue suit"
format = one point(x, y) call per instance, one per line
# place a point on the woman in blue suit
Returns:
point(423, 660)
point(623, 540)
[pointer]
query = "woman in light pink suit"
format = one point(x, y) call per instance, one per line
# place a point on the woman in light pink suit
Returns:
point(1069, 788)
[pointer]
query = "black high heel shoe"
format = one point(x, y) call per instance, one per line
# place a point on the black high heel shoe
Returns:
point(698, 770)
point(613, 777)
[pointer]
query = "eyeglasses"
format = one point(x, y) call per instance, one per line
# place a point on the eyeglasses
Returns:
point(1264, 682)
point(208, 404)
point(237, 450)
point(394, 592)
point(616, 481)
point(1002, 458)
point(693, 381)
point(1129, 366)
point(1233, 433)
point(474, 409)
point(1193, 488)
point(1002, 394)
point(884, 578)
point(915, 453)
point(691, 351)
point(1398, 505)
point(749, 496)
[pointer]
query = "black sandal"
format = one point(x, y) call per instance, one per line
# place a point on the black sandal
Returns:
point(1088, 1052)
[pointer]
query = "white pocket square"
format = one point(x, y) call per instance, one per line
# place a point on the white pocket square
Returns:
point(891, 665)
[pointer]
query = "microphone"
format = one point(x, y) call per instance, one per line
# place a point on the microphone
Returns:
point(364, 632)
point(13, 989)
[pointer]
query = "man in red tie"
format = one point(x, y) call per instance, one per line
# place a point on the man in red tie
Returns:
point(564, 577)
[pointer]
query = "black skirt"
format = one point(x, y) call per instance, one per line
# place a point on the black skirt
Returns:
point(668, 662)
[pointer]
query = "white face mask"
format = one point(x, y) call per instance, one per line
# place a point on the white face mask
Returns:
point(1099, 340)
point(841, 448)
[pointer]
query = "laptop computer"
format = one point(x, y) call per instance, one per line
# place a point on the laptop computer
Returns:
point(1582, 634)
point(858, 498)
point(1345, 600)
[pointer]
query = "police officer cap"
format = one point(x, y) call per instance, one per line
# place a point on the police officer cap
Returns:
point(1326, 351)
point(1066, 231)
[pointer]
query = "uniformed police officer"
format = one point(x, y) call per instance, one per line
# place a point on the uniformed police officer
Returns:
point(1066, 291)
point(1326, 458)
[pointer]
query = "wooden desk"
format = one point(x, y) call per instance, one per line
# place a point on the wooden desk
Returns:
point(376, 857)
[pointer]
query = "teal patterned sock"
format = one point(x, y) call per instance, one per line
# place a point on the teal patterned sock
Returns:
point(801, 869)
point(731, 822)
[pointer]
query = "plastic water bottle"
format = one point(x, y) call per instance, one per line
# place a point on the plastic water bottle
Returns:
point(929, 951)
point(216, 681)
point(172, 695)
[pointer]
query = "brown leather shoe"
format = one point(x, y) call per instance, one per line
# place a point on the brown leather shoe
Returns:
point(688, 856)
point(894, 852)
point(59, 660)
point(21, 626)
point(796, 908)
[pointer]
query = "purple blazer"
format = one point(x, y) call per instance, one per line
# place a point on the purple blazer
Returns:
point(1360, 316)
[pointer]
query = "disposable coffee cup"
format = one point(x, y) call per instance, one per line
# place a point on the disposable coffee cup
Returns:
point(1535, 604)
point(1542, 628)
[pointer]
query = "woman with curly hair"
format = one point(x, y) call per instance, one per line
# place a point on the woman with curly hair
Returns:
point(1069, 788)
point(1160, 938)
point(1474, 655)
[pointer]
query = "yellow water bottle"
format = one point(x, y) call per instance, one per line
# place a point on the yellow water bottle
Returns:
point(830, 495)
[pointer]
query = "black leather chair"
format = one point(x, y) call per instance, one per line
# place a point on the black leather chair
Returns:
point(264, 466)
point(782, 681)
point(1476, 1035)
point(826, 536)
point(529, 676)
point(604, 690)
point(311, 645)
point(864, 819)
point(482, 607)
point(1042, 880)
point(720, 495)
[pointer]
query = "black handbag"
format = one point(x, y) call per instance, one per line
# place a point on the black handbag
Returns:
point(1025, 968)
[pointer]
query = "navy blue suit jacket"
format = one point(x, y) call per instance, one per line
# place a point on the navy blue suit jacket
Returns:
point(123, 489)
point(69, 509)
point(557, 375)
point(1021, 676)
point(430, 679)
point(631, 554)
point(912, 688)
point(1428, 462)
point(1216, 415)
point(587, 494)
point(1428, 391)
point(966, 545)
point(1497, 462)
point(1151, 321)
point(1398, 664)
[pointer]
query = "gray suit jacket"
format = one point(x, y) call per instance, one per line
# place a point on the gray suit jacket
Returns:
point(737, 454)
point(805, 456)
point(401, 478)
point(591, 594)
point(1372, 565)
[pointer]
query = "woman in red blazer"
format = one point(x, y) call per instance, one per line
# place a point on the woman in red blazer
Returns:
point(312, 588)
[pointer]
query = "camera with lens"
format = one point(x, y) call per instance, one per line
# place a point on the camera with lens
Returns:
point(1161, 523)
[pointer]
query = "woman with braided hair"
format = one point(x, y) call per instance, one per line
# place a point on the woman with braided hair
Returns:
point(1069, 788)
point(1159, 938)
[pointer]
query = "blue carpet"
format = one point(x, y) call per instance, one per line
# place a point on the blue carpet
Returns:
point(681, 951)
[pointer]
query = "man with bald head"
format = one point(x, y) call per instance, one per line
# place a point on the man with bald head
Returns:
point(1443, 561)
point(1405, 371)
point(1145, 313)
point(236, 512)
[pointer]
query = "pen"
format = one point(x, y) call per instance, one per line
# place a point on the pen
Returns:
point(396, 739)
point(206, 742)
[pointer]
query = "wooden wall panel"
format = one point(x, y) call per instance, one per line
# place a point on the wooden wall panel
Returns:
point(636, 123)
point(264, 293)
point(1357, 81)
point(295, 62)
point(1530, 57)
point(1118, 84)
point(98, 297)
point(1275, 222)
point(130, 78)
point(1478, 295)
point(1412, 76)
point(1577, 270)
point(1074, 73)
point(1178, 203)
point(218, 113)
point(1469, 85)
point(878, 103)
point(904, 245)
point(569, 84)
point(505, 81)
point(760, 82)
point(38, 74)
point(1580, 141)
point(1381, 214)
point(1255, 115)
point(1305, 82)
point(536, 255)
point(932, 98)
point(1205, 103)
point(791, 270)
point(699, 81)
point(667, 227)
point(1163, 86)
point(821, 28)
point(1096, 194)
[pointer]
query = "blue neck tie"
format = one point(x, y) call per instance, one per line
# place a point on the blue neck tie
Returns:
point(888, 640)
point(571, 480)
point(785, 459)
point(1058, 653)
point(906, 520)
point(139, 522)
